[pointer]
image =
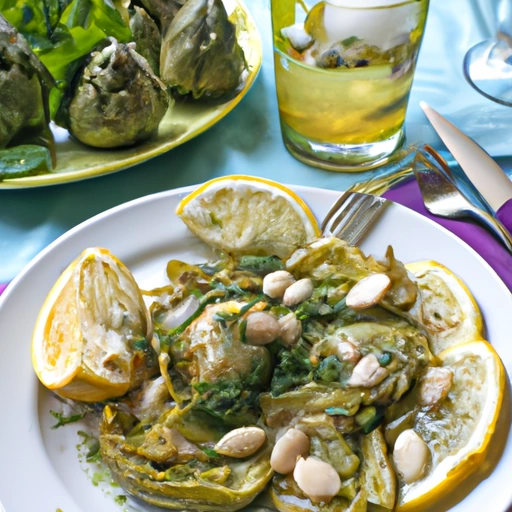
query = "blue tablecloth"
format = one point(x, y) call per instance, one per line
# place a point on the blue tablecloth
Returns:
point(248, 140)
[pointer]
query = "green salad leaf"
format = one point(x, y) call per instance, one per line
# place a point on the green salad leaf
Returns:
point(61, 33)
point(25, 160)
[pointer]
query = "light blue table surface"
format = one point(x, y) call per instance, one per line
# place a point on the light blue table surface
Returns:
point(248, 140)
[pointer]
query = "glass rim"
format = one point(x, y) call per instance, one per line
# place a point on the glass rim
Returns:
point(370, 4)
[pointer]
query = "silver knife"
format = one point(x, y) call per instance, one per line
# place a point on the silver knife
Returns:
point(443, 198)
point(484, 173)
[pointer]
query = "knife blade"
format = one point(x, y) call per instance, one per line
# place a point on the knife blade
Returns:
point(483, 172)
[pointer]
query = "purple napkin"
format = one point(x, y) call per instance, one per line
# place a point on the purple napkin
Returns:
point(408, 194)
point(504, 214)
point(2, 288)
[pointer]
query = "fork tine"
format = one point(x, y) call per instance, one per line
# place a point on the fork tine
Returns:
point(351, 206)
point(352, 229)
point(334, 210)
point(352, 216)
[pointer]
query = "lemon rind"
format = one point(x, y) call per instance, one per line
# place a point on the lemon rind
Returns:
point(472, 460)
point(298, 204)
point(423, 266)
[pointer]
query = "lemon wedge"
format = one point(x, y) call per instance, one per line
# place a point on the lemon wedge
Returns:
point(445, 306)
point(92, 337)
point(245, 214)
point(314, 24)
point(458, 430)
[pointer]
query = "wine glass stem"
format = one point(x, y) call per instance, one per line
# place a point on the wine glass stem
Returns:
point(505, 20)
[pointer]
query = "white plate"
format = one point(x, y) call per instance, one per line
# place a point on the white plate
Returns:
point(39, 467)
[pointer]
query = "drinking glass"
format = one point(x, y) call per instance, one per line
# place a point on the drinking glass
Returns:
point(344, 71)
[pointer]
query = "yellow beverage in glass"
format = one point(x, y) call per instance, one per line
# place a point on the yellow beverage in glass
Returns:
point(344, 70)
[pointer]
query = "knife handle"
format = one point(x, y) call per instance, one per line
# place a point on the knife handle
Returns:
point(494, 226)
point(504, 215)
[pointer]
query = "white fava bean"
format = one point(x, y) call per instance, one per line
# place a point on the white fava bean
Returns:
point(291, 329)
point(368, 292)
point(241, 442)
point(293, 444)
point(410, 455)
point(298, 292)
point(261, 328)
point(348, 352)
point(434, 385)
point(317, 479)
point(276, 283)
point(367, 373)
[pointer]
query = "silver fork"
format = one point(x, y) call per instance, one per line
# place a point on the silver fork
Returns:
point(444, 199)
point(352, 216)
point(357, 210)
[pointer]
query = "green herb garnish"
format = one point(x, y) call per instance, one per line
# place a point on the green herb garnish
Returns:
point(260, 265)
point(211, 453)
point(64, 420)
point(223, 316)
point(120, 499)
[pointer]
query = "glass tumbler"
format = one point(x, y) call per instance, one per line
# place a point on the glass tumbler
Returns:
point(344, 71)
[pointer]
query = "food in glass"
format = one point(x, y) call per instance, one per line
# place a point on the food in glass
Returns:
point(344, 71)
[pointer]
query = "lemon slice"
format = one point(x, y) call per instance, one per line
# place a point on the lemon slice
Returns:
point(458, 430)
point(445, 306)
point(91, 338)
point(244, 214)
point(314, 23)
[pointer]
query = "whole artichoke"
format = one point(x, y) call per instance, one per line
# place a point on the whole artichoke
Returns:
point(116, 101)
point(25, 84)
point(200, 52)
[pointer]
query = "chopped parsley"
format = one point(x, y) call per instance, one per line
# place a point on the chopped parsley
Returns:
point(64, 420)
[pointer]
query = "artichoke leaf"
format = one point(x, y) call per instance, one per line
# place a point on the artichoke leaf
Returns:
point(200, 53)
point(287, 497)
point(190, 486)
point(377, 475)
point(311, 399)
point(146, 36)
point(399, 347)
point(333, 259)
point(327, 444)
point(404, 291)
point(162, 11)
point(158, 445)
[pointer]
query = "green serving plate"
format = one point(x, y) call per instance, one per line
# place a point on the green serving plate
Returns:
point(183, 121)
